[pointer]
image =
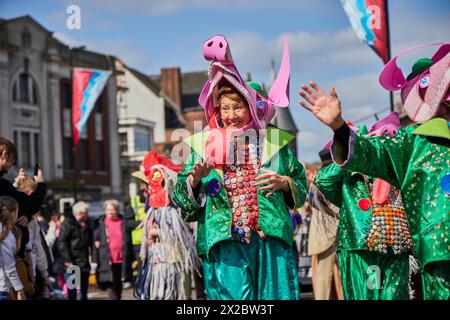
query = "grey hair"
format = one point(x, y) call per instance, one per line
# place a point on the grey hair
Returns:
point(79, 207)
point(112, 202)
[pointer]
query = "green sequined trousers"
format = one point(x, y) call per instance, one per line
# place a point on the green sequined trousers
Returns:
point(260, 270)
point(370, 275)
point(436, 281)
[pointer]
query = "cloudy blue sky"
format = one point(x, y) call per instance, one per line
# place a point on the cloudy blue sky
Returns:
point(151, 34)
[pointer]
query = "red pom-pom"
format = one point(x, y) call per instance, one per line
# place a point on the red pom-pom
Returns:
point(364, 204)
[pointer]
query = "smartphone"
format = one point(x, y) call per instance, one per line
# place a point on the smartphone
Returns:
point(36, 169)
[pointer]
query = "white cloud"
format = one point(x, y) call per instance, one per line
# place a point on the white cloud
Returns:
point(68, 40)
point(90, 20)
point(168, 7)
point(361, 95)
point(125, 50)
point(309, 143)
point(310, 140)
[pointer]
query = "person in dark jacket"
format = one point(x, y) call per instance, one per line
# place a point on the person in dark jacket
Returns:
point(74, 244)
point(130, 254)
point(109, 242)
point(28, 204)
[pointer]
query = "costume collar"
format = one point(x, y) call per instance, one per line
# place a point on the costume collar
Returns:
point(274, 140)
point(436, 127)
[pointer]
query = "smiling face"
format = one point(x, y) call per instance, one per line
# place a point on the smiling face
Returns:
point(234, 111)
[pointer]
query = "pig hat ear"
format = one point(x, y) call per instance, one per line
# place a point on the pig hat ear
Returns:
point(392, 78)
point(279, 92)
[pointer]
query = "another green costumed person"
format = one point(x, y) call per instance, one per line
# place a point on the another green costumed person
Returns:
point(241, 195)
point(373, 235)
point(416, 160)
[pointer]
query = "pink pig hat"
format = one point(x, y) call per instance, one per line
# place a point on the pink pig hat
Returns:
point(222, 67)
point(388, 126)
point(427, 86)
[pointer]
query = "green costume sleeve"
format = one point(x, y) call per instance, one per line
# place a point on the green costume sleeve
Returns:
point(190, 201)
point(383, 157)
point(296, 179)
point(329, 181)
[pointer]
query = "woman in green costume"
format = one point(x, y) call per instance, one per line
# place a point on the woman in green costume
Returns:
point(373, 234)
point(416, 160)
point(239, 182)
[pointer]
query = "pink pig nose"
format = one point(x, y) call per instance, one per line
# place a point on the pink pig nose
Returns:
point(216, 49)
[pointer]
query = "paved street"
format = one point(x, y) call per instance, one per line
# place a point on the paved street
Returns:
point(127, 294)
point(97, 294)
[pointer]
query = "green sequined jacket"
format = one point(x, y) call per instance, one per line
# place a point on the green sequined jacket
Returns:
point(415, 160)
point(214, 214)
point(344, 189)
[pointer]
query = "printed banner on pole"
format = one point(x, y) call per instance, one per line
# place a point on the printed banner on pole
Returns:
point(87, 86)
point(369, 20)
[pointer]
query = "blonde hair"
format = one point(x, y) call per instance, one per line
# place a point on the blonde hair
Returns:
point(79, 207)
point(112, 202)
point(26, 184)
point(8, 206)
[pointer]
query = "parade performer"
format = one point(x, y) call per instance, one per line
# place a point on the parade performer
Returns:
point(239, 182)
point(372, 231)
point(168, 252)
point(416, 160)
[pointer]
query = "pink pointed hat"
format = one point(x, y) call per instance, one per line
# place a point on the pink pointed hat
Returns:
point(222, 67)
point(421, 94)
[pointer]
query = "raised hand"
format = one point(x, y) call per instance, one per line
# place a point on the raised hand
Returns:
point(21, 174)
point(199, 171)
point(39, 177)
point(326, 108)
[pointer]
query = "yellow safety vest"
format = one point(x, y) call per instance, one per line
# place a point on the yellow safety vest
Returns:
point(139, 215)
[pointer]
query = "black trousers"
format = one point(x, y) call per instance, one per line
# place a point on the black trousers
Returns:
point(84, 284)
point(114, 288)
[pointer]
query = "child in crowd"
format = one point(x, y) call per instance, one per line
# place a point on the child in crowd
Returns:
point(9, 279)
point(39, 261)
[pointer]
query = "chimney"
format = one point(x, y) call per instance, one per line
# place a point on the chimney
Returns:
point(171, 84)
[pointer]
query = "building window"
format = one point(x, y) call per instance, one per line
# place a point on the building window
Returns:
point(98, 107)
point(26, 39)
point(99, 147)
point(67, 126)
point(36, 148)
point(68, 154)
point(84, 155)
point(123, 143)
point(100, 154)
point(27, 143)
point(143, 140)
point(66, 96)
point(25, 89)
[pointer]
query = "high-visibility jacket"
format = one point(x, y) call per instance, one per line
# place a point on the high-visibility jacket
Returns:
point(139, 215)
